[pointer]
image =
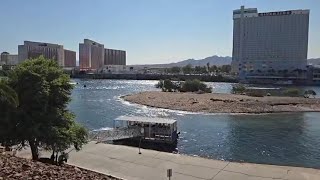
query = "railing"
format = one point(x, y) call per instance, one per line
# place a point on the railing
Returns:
point(115, 134)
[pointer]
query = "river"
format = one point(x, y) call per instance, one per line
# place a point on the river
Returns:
point(281, 139)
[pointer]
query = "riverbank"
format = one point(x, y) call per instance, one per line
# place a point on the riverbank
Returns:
point(223, 103)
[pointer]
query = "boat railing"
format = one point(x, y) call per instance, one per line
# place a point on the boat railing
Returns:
point(115, 134)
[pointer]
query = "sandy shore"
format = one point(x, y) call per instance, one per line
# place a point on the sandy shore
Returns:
point(224, 103)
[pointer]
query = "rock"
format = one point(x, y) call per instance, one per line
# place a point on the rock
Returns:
point(77, 169)
point(48, 174)
point(19, 168)
point(17, 175)
point(25, 167)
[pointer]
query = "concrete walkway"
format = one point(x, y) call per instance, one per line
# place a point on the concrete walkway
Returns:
point(125, 162)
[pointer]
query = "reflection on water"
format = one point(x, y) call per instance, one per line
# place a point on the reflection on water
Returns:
point(283, 139)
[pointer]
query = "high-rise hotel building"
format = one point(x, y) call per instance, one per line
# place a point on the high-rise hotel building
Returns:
point(91, 55)
point(70, 58)
point(269, 42)
point(30, 50)
point(114, 57)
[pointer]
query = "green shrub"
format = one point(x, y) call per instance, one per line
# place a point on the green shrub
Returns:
point(309, 93)
point(238, 89)
point(292, 92)
point(187, 86)
point(159, 84)
point(194, 86)
point(255, 93)
point(168, 85)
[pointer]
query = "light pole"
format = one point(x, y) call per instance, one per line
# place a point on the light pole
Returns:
point(142, 132)
point(140, 145)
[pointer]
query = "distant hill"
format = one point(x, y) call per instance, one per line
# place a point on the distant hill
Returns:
point(314, 61)
point(213, 60)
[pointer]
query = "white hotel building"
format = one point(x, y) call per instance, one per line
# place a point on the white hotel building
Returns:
point(269, 43)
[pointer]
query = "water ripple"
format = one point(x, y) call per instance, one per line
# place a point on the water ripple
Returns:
point(282, 139)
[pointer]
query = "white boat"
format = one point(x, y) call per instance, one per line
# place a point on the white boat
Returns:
point(73, 83)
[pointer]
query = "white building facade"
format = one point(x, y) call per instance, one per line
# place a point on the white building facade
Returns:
point(269, 43)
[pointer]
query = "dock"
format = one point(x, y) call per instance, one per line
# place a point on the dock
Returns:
point(152, 129)
point(125, 162)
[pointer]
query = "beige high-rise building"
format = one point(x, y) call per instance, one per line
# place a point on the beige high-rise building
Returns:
point(8, 59)
point(69, 58)
point(31, 50)
point(114, 57)
point(91, 55)
point(269, 42)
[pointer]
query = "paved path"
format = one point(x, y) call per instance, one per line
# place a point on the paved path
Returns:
point(125, 162)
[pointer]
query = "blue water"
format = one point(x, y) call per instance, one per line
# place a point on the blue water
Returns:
point(282, 139)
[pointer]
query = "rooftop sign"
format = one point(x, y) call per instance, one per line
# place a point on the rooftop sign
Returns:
point(280, 13)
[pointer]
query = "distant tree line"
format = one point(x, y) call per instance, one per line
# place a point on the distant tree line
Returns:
point(188, 69)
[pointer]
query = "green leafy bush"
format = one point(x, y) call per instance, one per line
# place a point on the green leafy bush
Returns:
point(255, 93)
point(168, 85)
point(35, 98)
point(292, 92)
point(187, 86)
point(309, 93)
point(194, 86)
point(238, 89)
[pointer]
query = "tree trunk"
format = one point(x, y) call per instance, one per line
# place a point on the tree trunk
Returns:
point(57, 157)
point(52, 157)
point(34, 149)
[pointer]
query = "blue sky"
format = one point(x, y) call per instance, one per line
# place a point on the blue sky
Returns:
point(151, 31)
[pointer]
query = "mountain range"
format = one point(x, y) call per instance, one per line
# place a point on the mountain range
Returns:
point(212, 60)
point(314, 61)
